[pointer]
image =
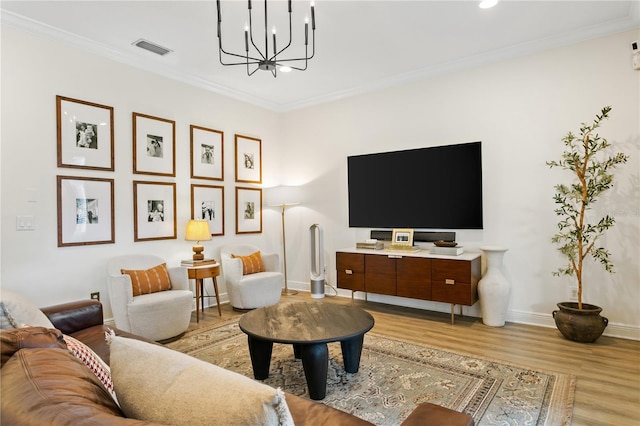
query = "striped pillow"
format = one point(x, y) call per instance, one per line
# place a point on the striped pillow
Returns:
point(148, 281)
point(251, 263)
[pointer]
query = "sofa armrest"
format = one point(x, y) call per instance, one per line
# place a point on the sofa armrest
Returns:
point(435, 415)
point(75, 316)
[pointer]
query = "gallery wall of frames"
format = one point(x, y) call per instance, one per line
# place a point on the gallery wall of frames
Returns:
point(85, 204)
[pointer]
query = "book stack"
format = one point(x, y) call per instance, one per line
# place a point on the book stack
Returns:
point(377, 245)
point(190, 263)
point(448, 251)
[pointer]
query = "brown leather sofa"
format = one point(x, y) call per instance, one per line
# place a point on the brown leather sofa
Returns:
point(35, 361)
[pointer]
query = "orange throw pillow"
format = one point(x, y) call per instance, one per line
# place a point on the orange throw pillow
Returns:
point(251, 263)
point(148, 281)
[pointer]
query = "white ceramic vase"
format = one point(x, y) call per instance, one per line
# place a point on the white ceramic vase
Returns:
point(493, 288)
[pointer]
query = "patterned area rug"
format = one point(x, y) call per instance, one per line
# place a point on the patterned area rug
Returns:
point(395, 375)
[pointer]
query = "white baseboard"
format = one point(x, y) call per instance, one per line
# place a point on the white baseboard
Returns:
point(622, 331)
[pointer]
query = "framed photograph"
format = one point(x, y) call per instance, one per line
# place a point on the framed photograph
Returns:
point(154, 145)
point(248, 159)
point(207, 153)
point(248, 210)
point(85, 134)
point(85, 211)
point(207, 203)
point(402, 237)
point(154, 211)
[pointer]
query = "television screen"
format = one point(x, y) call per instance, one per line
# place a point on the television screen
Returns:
point(427, 188)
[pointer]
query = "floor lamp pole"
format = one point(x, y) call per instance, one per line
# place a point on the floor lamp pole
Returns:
point(285, 290)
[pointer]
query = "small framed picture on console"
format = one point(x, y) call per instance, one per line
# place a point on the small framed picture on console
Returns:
point(402, 237)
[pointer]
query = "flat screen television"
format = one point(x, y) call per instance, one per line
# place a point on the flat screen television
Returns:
point(426, 188)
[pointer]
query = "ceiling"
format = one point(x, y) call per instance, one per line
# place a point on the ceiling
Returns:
point(361, 45)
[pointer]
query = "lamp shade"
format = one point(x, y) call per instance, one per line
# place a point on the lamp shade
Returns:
point(279, 195)
point(197, 230)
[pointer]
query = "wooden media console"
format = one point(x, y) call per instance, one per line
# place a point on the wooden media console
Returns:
point(411, 274)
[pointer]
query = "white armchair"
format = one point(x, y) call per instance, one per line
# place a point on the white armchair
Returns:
point(253, 290)
point(156, 316)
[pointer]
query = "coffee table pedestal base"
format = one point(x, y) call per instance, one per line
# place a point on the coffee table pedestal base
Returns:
point(315, 361)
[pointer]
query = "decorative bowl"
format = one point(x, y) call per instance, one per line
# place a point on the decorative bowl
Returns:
point(442, 243)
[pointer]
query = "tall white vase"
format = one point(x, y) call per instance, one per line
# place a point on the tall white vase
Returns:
point(493, 288)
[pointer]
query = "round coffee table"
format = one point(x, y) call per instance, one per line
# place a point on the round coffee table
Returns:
point(308, 327)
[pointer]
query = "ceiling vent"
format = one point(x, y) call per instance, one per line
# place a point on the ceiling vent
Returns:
point(151, 47)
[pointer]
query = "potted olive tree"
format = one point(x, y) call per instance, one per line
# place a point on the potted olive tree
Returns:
point(591, 166)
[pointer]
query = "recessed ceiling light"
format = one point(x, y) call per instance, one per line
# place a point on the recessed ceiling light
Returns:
point(285, 69)
point(486, 4)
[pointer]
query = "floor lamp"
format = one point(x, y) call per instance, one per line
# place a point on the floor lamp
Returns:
point(283, 197)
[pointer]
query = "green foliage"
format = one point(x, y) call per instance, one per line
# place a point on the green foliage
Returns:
point(576, 237)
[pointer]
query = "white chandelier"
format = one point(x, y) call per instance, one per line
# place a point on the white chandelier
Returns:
point(256, 58)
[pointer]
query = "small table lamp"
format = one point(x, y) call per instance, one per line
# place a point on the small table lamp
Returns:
point(198, 230)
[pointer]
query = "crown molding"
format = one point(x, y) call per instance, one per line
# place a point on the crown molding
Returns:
point(627, 23)
point(40, 29)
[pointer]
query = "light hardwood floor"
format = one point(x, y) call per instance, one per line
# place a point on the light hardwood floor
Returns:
point(607, 372)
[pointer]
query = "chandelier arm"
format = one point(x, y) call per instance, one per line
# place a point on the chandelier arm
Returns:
point(264, 56)
point(254, 60)
point(290, 32)
point(221, 49)
point(252, 72)
point(306, 58)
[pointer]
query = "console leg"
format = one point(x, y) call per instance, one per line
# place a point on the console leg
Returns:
point(453, 314)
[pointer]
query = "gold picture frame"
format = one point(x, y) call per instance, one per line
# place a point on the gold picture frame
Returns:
point(402, 237)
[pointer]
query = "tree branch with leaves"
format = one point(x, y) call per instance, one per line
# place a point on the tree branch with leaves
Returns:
point(577, 237)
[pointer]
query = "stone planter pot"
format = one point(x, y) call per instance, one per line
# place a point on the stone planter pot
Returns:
point(494, 289)
point(584, 325)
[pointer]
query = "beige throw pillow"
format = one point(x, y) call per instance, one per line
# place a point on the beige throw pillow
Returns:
point(157, 384)
point(21, 311)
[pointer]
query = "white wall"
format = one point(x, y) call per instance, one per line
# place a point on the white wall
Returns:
point(519, 109)
point(34, 71)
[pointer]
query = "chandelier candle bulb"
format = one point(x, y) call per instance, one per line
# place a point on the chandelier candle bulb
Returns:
point(313, 16)
point(306, 31)
point(246, 39)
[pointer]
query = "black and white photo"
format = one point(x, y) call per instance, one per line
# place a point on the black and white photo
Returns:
point(154, 211)
point(248, 210)
point(154, 146)
point(207, 203)
point(248, 159)
point(85, 134)
point(207, 153)
point(85, 211)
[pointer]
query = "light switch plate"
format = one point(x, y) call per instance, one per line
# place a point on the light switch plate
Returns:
point(25, 223)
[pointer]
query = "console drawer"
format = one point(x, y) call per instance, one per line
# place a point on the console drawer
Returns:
point(350, 271)
point(458, 293)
